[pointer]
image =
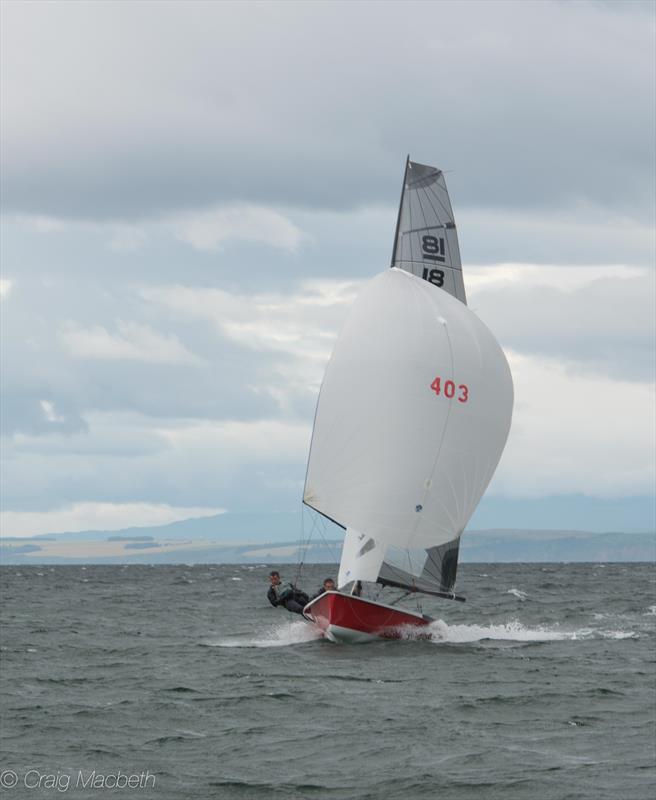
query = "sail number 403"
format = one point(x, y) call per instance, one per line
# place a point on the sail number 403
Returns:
point(450, 389)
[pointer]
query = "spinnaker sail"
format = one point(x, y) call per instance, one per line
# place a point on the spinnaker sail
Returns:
point(413, 415)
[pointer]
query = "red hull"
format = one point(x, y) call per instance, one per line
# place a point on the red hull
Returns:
point(343, 617)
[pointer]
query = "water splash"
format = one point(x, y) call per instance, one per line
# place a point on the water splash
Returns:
point(283, 635)
point(439, 632)
point(518, 594)
point(513, 631)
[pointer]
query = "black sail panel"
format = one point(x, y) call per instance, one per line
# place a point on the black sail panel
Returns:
point(432, 572)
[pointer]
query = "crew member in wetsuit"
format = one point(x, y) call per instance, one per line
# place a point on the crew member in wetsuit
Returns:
point(290, 597)
point(327, 586)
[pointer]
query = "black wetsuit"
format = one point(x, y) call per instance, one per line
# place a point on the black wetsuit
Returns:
point(292, 599)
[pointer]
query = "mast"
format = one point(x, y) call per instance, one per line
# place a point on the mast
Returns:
point(398, 218)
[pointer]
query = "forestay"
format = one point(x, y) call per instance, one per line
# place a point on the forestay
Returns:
point(412, 417)
point(426, 242)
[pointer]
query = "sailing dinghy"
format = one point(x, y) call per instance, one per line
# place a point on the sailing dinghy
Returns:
point(412, 417)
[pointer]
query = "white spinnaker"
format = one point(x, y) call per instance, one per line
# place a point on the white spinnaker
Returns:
point(389, 456)
point(361, 559)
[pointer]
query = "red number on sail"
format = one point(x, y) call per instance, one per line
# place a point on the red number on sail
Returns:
point(450, 389)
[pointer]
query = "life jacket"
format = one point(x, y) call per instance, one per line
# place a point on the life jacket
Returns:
point(299, 596)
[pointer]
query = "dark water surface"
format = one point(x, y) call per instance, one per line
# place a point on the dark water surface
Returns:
point(541, 686)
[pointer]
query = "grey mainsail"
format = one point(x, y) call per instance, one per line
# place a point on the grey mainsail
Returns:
point(432, 571)
point(426, 242)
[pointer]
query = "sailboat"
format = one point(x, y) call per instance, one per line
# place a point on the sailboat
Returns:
point(412, 417)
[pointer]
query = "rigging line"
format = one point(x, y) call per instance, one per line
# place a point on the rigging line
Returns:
point(319, 527)
point(335, 556)
point(301, 549)
point(305, 543)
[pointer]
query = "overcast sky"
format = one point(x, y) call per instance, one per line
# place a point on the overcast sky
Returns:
point(193, 193)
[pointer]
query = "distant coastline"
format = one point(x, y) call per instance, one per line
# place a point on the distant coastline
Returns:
point(274, 538)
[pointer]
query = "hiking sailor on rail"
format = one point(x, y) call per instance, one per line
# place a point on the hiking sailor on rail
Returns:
point(290, 597)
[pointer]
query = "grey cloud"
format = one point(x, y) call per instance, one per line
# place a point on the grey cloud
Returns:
point(541, 110)
point(605, 327)
point(42, 481)
point(22, 411)
point(115, 110)
point(230, 380)
point(159, 467)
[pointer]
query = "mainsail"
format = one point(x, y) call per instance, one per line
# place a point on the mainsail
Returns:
point(412, 418)
point(426, 241)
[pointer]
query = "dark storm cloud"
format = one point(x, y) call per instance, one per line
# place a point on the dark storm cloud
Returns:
point(116, 110)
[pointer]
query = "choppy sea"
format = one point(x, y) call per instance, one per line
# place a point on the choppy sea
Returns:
point(184, 681)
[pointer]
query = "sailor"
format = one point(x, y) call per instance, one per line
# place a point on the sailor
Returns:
point(327, 586)
point(290, 597)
